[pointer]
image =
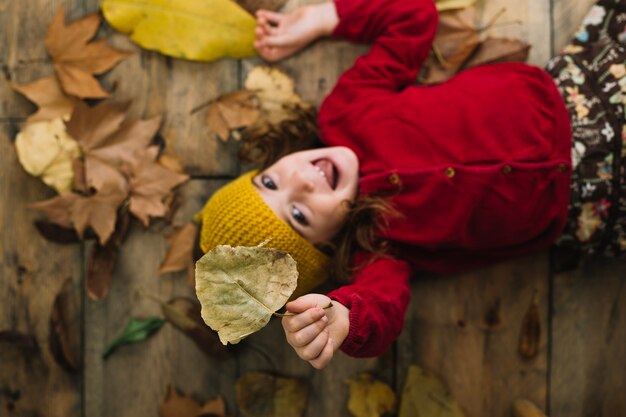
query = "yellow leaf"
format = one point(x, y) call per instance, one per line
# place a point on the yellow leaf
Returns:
point(241, 287)
point(424, 395)
point(199, 30)
point(275, 91)
point(46, 150)
point(443, 5)
point(370, 397)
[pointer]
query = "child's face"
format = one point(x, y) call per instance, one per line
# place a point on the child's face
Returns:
point(308, 190)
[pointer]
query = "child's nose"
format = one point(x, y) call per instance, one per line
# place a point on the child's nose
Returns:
point(301, 183)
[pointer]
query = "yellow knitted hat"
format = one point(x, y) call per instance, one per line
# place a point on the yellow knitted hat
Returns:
point(236, 215)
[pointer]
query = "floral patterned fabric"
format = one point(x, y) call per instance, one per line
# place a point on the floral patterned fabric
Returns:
point(591, 75)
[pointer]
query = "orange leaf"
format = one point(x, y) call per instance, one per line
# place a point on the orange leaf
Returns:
point(47, 94)
point(180, 253)
point(214, 407)
point(75, 59)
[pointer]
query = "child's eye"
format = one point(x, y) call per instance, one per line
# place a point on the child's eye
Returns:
point(268, 183)
point(298, 216)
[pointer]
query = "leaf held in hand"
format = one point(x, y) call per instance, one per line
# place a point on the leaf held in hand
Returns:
point(75, 59)
point(260, 394)
point(239, 288)
point(65, 331)
point(136, 330)
point(232, 111)
point(370, 397)
point(46, 150)
point(199, 30)
point(47, 94)
point(426, 395)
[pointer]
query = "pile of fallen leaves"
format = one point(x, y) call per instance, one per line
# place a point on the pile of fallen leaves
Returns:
point(104, 165)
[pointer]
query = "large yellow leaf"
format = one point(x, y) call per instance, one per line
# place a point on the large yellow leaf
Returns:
point(241, 287)
point(199, 30)
point(424, 395)
point(370, 397)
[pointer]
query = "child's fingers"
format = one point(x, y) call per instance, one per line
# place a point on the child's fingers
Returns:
point(325, 356)
point(271, 17)
point(278, 40)
point(306, 302)
point(313, 350)
point(301, 320)
point(307, 334)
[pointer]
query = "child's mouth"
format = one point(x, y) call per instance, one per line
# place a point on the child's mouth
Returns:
point(327, 170)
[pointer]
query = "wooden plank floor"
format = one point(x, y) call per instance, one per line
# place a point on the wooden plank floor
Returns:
point(464, 328)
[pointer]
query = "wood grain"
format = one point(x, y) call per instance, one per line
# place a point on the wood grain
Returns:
point(588, 366)
point(466, 329)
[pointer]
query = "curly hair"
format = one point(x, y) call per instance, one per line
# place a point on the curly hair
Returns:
point(264, 144)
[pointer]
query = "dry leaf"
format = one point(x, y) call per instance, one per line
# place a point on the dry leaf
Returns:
point(493, 50)
point(232, 111)
point(275, 91)
point(150, 184)
point(213, 408)
point(176, 405)
point(171, 162)
point(443, 5)
point(370, 397)
point(184, 314)
point(530, 332)
point(201, 30)
point(261, 394)
point(455, 41)
point(75, 59)
point(47, 94)
point(46, 150)
point(240, 288)
point(253, 5)
point(424, 395)
point(100, 270)
point(65, 327)
point(180, 253)
point(525, 408)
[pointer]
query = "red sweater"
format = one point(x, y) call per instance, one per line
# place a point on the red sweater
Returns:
point(481, 163)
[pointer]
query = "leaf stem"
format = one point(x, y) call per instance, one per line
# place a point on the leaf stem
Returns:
point(288, 313)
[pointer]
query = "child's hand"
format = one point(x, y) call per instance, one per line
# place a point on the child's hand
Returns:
point(281, 35)
point(313, 332)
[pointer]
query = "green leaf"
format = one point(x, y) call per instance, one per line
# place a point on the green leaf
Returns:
point(199, 30)
point(136, 331)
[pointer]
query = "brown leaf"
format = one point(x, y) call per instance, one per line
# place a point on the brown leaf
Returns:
point(100, 270)
point(454, 43)
point(47, 94)
point(97, 211)
point(55, 233)
point(525, 408)
point(176, 405)
point(184, 314)
point(80, 179)
point(75, 59)
point(57, 209)
point(213, 407)
point(65, 332)
point(530, 332)
point(260, 394)
point(150, 184)
point(493, 50)
point(171, 162)
point(232, 111)
point(253, 5)
point(180, 253)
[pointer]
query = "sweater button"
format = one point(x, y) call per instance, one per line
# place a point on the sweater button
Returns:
point(562, 167)
point(450, 172)
point(507, 169)
point(394, 179)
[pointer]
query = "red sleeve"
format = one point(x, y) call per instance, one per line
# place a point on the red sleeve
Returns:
point(377, 299)
point(402, 32)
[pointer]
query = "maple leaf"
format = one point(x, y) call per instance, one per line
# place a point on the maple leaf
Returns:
point(150, 184)
point(50, 99)
point(98, 211)
point(232, 111)
point(75, 59)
